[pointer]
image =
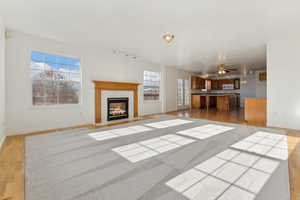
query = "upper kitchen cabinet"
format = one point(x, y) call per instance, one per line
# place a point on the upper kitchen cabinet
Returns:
point(237, 84)
point(214, 84)
point(195, 82)
point(263, 76)
point(198, 83)
point(225, 84)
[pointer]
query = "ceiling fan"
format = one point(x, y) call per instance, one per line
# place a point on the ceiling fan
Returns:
point(223, 69)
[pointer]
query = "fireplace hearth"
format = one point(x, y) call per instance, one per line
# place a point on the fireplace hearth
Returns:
point(117, 108)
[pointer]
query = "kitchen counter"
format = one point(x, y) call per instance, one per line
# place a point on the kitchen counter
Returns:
point(222, 101)
point(215, 94)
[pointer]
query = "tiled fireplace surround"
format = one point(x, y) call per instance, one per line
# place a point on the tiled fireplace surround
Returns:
point(108, 89)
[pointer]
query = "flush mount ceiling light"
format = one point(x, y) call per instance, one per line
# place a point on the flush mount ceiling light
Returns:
point(168, 38)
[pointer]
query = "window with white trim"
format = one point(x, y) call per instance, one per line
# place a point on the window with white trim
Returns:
point(55, 79)
point(151, 85)
point(183, 92)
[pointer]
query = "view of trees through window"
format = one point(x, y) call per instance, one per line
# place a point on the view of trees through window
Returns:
point(55, 79)
point(151, 85)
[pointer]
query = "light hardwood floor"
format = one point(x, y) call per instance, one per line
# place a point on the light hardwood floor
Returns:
point(12, 154)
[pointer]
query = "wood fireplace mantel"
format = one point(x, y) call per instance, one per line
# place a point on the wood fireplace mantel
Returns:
point(109, 85)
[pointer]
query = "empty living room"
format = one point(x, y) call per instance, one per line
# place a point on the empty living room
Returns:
point(149, 100)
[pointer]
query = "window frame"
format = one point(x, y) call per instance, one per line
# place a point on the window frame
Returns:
point(179, 97)
point(159, 94)
point(59, 106)
point(185, 93)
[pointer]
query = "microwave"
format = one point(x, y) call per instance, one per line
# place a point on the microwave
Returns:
point(228, 86)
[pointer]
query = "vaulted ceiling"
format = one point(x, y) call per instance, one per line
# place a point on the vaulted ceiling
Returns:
point(236, 30)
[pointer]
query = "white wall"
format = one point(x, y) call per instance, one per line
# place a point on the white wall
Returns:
point(248, 89)
point(261, 86)
point(283, 82)
point(254, 88)
point(2, 83)
point(96, 63)
point(172, 75)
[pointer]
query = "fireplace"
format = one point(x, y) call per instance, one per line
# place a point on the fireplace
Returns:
point(117, 108)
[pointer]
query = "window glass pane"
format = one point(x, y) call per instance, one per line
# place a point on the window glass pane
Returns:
point(74, 77)
point(186, 92)
point(75, 68)
point(48, 74)
point(183, 97)
point(37, 65)
point(74, 61)
point(37, 57)
point(51, 92)
point(62, 60)
point(68, 92)
point(38, 95)
point(36, 74)
point(151, 85)
point(180, 92)
point(50, 58)
point(55, 79)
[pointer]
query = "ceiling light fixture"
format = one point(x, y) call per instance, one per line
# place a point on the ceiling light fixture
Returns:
point(221, 69)
point(168, 38)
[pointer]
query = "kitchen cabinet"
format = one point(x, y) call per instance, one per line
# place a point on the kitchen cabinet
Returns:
point(198, 82)
point(198, 101)
point(223, 102)
point(218, 84)
point(237, 84)
point(214, 84)
point(263, 76)
point(196, 104)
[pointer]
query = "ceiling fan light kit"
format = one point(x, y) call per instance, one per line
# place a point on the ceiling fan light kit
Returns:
point(168, 37)
point(222, 70)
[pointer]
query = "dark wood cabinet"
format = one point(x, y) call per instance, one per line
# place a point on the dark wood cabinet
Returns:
point(223, 102)
point(237, 84)
point(214, 84)
point(202, 83)
point(263, 76)
point(218, 84)
point(198, 101)
point(198, 82)
point(194, 82)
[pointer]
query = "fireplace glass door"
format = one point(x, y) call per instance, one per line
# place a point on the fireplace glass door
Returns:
point(117, 108)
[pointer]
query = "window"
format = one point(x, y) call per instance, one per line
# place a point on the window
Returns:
point(55, 79)
point(180, 99)
point(151, 85)
point(186, 92)
point(183, 92)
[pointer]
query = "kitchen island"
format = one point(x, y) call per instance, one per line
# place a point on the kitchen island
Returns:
point(221, 101)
